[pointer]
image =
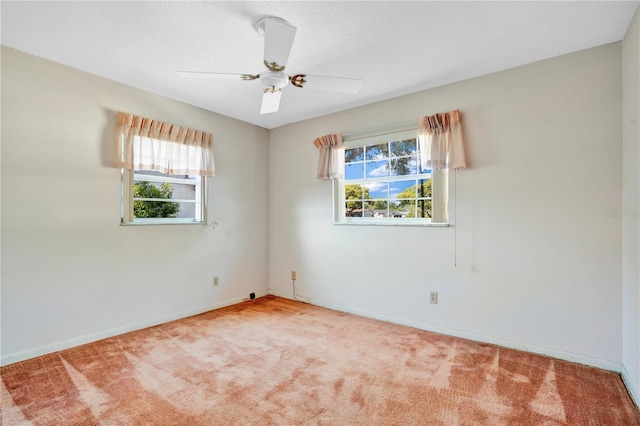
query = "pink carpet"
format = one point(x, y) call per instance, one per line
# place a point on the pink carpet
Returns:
point(273, 361)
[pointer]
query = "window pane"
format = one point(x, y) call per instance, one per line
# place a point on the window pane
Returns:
point(353, 154)
point(424, 188)
point(394, 206)
point(380, 208)
point(353, 191)
point(354, 171)
point(365, 211)
point(155, 190)
point(403, 189)
point(404, 148)
point(407, 208)
point(404, 166)
point(353, 209)
point(155, 209)
point(424, 208)
point(377, 152)
point(377, 168)
point(378, 189)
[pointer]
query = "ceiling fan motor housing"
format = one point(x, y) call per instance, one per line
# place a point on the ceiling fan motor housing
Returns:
point(275, 79)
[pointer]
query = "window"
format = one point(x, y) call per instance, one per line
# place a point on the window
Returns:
point(151, 197)
point(384, 183)
point(164, 168)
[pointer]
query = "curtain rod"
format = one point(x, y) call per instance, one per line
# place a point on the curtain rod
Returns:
point(380, 131)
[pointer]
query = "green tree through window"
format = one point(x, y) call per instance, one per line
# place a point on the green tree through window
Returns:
point(407, 198)
point(402, 152)
point(354, 195)
point(145, 208)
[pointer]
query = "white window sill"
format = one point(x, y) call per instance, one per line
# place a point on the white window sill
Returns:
point(392, 223)
point(160, 223)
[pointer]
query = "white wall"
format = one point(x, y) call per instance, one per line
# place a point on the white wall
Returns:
point(631, 204)
point(538, 260)
point(70, 272)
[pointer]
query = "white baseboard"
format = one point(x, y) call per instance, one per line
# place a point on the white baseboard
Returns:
point(554, 353)
point(77, 341)
point(297, 298)
point(631, 387)
point(568, 356)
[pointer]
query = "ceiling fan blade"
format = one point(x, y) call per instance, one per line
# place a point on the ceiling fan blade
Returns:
point(278, 41)
point(331, 84)
point(214, 75)
point(270, 102)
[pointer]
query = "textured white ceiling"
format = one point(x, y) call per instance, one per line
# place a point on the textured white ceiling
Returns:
point(396, 47)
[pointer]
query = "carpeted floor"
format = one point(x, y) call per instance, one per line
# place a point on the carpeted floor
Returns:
point(273, 361)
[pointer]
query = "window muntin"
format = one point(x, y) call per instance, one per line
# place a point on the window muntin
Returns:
point(384, 184)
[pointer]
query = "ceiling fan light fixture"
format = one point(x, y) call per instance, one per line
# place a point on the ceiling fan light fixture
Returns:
point(276, 79)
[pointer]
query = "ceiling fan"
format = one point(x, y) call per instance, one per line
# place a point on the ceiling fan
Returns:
point(278, 39)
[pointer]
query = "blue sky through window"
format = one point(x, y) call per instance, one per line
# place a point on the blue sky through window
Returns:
point(386, 169)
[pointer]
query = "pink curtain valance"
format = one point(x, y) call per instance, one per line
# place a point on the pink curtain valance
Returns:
point(331, 156)
point(147, 144)
point(440, 139)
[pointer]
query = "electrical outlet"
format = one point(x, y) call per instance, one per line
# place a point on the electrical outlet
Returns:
point(293, 275)
point(215, 282)
point(433, 297)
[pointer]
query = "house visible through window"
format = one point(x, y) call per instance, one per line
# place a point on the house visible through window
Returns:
point(384, 183)
point(162, 198)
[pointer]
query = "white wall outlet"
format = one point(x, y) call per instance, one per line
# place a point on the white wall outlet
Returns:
point(216, 282)
point(293, 275)
point(433, 297)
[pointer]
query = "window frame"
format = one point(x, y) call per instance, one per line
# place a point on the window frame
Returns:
point(127, 200)
point(439, 195)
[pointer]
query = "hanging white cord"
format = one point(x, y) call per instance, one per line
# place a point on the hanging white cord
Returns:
point(455, 218)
